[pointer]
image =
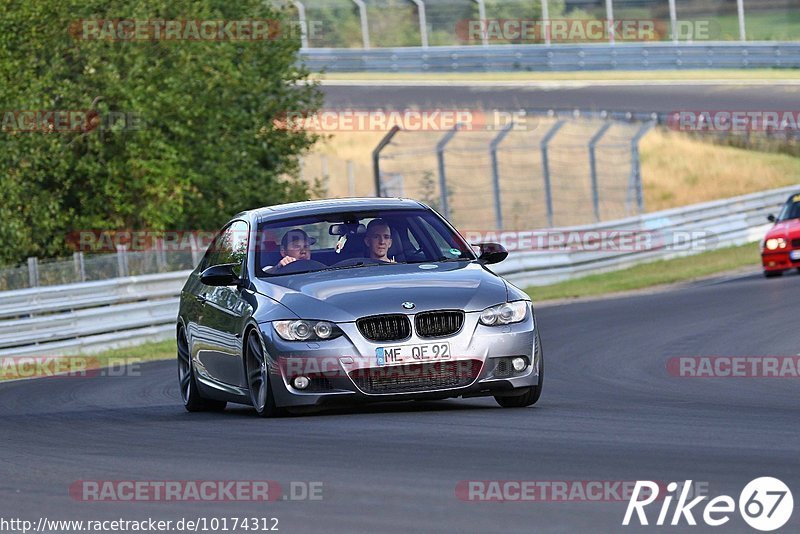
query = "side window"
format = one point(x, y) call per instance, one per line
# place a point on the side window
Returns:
point(230, 246)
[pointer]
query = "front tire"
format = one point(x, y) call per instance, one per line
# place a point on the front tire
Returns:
point(190, 394)
point(530, 395)
point(257, 371)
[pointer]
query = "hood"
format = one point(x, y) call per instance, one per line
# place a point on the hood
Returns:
point(347, 294)
point(785, 229)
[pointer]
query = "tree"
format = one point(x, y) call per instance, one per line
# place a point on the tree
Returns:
point(179, 133)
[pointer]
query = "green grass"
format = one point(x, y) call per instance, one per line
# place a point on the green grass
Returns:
point(651, 274)
point(650, 75)
point(116, 358)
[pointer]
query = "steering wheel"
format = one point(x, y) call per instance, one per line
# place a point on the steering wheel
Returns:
point(355, 261)
point(298, 266)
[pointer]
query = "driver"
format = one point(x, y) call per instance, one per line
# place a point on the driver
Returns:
point(295, 245)
point(379, 240)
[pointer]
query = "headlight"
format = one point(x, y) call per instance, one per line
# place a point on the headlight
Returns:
point(775, 243)
point(510, 312)
point(302, 330)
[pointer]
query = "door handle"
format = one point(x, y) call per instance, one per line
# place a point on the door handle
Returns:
point(200, 298)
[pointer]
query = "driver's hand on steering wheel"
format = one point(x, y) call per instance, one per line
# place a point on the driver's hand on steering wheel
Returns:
point(286, 260)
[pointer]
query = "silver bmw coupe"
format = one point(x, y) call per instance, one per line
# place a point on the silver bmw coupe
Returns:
point(312, 304)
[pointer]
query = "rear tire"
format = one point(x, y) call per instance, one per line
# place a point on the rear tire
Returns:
point(190, 394)
point(773, 274)
point(530, 395)
point(257, 371)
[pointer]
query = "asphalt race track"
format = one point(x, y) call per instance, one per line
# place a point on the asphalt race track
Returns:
point(609, 412)
point(644, 97)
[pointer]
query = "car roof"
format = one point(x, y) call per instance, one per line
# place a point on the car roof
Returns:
point(316, 207)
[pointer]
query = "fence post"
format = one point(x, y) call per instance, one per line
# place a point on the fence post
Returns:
point(161, 255)
point(498, 206)
point(740, 12)
point(482, 16)
point(362, 12)
point(546, 168)
point(546, 21)
point(593, 168)
point(301, 15)
point(80, 266)
point(440, 146)
point(376, 157)
point(122, 261)
point(326, 177)
point(635, 181)
point(610, 20)
point(33, 271)
point(195, 250)
point(351, 178)
point(673, 21)
point(423, 23)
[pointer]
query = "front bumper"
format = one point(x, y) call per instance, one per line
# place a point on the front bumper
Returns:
point(778, 260)
point(342, 370)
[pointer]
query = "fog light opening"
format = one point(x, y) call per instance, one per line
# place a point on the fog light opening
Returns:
point(300, 382)
point(519, 364)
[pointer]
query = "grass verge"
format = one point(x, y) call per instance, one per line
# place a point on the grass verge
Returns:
point(84, 364)
point(651, 274)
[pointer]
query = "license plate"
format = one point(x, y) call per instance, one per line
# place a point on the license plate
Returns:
point(412, 353)
point(794, 254)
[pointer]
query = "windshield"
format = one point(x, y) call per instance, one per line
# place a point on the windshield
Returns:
point(356, 240)
point(791, 210)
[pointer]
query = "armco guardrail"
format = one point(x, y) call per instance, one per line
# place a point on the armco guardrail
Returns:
point(96, 315)
point(561, 57)
point(701, 227)
point(93, 315)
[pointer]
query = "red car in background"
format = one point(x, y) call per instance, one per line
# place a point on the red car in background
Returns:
point(780, 249)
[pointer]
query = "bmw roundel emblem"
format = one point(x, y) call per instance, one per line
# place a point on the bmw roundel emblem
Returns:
point(408, 305)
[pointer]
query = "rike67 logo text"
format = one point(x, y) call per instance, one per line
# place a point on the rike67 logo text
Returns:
point(765, 504)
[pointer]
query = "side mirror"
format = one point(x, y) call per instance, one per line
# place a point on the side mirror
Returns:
point(220, 275)
point(771, 218)
point(492, 253)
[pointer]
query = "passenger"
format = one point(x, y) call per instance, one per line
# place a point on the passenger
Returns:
point(379, 240)
point(295, 245)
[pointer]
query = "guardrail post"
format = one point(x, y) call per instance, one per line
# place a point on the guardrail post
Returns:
point(33, 271)
point(376, 158)
point(498, 207)
point(80, 266)
point(610, 20)
point(122, 261)
point(740, 12)
point(440, 146)
point(362, 13)
point(635, 181)
point(301, 16)
point(593, 168)
point(423, 22)
point(548, 193)
point(482, 16)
